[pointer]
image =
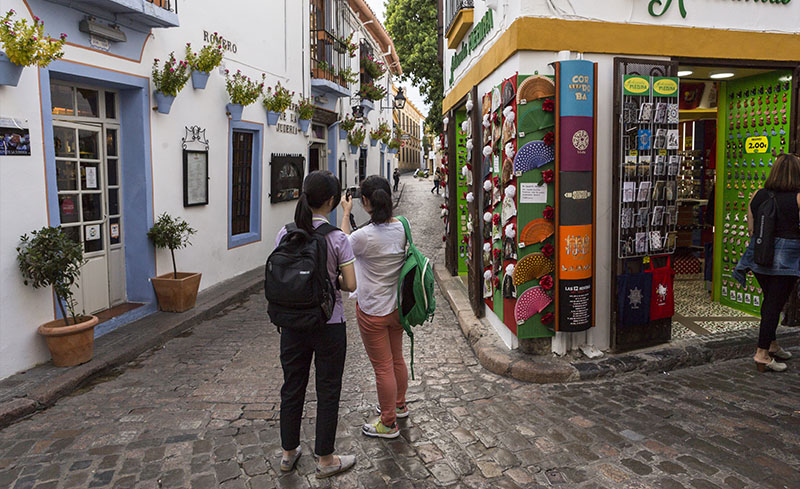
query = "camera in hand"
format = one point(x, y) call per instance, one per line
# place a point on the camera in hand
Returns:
point(354, 192)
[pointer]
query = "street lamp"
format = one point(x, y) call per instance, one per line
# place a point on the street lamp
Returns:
point(399, 100)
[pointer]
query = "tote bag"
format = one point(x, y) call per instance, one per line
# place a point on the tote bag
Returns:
point(633, 298)
point(662, 299)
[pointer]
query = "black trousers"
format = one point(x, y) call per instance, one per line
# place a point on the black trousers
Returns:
point(327, 346)
point(776, 292)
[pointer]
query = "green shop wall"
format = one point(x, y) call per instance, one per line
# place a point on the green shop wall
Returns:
point(462, 159)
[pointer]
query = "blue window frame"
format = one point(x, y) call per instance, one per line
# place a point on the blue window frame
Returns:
point(244, 183)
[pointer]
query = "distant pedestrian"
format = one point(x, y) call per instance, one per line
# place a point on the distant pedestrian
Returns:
point(379, 248)
point(326, 343)
point(396, 177)
point(436, 181)
point(778, 279)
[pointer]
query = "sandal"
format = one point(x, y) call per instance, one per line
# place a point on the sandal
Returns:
point(780, 354)
point(346, 462)
point(288, 464)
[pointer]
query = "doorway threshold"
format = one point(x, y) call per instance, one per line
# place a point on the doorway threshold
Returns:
point(116, 311)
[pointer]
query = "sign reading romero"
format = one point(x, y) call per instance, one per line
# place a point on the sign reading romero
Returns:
point(665, 5)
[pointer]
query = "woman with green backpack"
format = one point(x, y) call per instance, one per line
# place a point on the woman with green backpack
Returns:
point(379, 248)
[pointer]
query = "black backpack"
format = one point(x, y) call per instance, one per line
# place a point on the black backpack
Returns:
point(296, 281)
point(764, 231)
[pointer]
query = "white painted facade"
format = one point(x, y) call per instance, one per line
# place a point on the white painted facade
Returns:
point(735, 15)
point(269, 37)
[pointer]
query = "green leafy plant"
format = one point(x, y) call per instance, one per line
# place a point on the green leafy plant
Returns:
point(356, 136)
point(209, 57)
point(241, 89)
point(348, 76)
point(324, 66)
point(305, 109)
point(172, 77)
point(395, 143)
point(381, 132)
point(352, 48)
point(172, 233)
point(348, 123)
point(26, 44)
point(372, 92)
point(50, 258)
point(373, 67)
point(278, 100)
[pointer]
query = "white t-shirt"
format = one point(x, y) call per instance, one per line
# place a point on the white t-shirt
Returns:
point(380, 251)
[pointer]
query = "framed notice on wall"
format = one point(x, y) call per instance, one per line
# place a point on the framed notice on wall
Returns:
point(195, 177)
point(286, 177)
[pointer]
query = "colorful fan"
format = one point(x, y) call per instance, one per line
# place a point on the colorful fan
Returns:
point(509, 130)
point(532, 266)
point(534, 88)
point(507, 172)
point(495, 99)
point(536, 231)
point(532, 118)
point(533, 155)
point(508, 92)
point(531, 302)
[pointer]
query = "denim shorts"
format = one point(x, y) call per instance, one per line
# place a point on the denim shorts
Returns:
point(785, 262)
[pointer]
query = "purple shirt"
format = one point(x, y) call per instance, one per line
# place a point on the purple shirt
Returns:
point(340, 254)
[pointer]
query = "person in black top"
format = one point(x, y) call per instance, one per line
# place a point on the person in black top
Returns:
point(776, 281)
point(396, 178)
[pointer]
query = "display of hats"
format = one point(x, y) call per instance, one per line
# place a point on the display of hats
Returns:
point(532, 266)
point(508, 92)
point(531, 302)
point(495, 99)
point(509, 130)
point(535, 87)
point(536, 231)
point(533, 155)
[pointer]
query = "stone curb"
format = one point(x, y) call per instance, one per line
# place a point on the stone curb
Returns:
point(494, 356)
point(126, 343)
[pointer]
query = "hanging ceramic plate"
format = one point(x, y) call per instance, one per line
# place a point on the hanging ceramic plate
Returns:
point(534, 88)
point(533, 155)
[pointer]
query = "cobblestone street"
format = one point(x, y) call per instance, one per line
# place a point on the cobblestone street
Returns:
point(202, 412)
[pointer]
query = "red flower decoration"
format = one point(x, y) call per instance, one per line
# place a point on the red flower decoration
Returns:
point(443, 206)
point(548, 250)
point(549, 138)
point(548, 318)
point(546, 282)
point(496, 282)
point(496, 118)
point(548, 176)
point(444, 237)
point(549, 213)
point(548, 105)
point(496, 181)
point(496, 219)
point(496, 253)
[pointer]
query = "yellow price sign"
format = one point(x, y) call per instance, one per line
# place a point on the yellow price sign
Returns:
point(756, 144)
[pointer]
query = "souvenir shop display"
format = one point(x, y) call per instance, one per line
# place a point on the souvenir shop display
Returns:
point(463, 181)
point(757, 111)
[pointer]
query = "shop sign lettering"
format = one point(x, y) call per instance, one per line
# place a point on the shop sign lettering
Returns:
point(657, 8)
point(476, 37)
point(665, 87)
point(635, 85)
point(581, 87)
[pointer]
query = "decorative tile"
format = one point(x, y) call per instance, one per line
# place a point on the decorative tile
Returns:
point(725, 326)
point(680, 331)
point(693, 301)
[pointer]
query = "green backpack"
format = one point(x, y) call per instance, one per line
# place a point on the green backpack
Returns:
point(415, 301)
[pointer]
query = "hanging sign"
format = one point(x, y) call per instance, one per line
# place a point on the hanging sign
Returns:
point(635, 85)
point(756, 144)
point(665, 86)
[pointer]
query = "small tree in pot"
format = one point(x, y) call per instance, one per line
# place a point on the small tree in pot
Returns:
point(49, 258)
point(176, 292)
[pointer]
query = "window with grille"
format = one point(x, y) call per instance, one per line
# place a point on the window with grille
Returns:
point(241, 182)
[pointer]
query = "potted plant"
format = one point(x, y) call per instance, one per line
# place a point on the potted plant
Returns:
point(305, 112)
point(375, 69)
point(276, 102)
point(347, 76)
point(346, 126)
point(352, 48)
point(176, 292)
point(395, 143)
point(385, 138)
point(168, 81)
point(202, 63)
point(242, 91)
point(50, 258)
point(24, 45)
point(376, 135)
point(356, 138)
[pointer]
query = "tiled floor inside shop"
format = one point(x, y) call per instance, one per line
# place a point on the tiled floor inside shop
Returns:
point(696, 314)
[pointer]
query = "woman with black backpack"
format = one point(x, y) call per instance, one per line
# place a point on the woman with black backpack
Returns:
point(774, 210)
point(325, 342)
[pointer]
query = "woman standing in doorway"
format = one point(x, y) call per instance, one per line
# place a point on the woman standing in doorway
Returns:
point(777, 280)
point(327, 345)
point(379, 248)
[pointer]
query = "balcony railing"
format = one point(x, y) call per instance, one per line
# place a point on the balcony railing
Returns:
point(329, 57)
point(453, 7)
point(171, 5)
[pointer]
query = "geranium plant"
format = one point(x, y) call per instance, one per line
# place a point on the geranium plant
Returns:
point(352, 48)
point(356, 136)
point(172, 77)
point(305, 109)
point(26, 44)
point(348, 123)
point(51, 258)
point(209, 57)
point(372, 92)
point(171, 232)
point(374, 68)
point(277, 100)
point(348, 76)
point(395, 143)
point(241, 89)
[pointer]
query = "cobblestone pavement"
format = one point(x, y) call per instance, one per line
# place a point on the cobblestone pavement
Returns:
point(202, 412)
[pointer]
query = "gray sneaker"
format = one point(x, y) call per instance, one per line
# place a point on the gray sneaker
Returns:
point(346, 462)
point(287, 464)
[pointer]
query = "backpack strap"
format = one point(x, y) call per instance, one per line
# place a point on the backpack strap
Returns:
point(407, 229)
point(325, 228)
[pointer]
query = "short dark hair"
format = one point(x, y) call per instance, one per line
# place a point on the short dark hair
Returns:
point(785, 174)
point(379, 193)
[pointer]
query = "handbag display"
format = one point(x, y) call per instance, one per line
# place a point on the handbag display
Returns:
point(662, 299)
point(633, 298)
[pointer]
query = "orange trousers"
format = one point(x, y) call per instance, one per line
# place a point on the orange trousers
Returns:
point(383, 340)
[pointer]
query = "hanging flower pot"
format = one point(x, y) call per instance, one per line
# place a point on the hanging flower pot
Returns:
point(305, 111)
point(9, 71)
point(199, 79)
point(353, 149)
point(383, 147)
point(272, 117)
point(163, 102)
point(373, 142)
point(235, 111)
point(342, 134)
point(303, 123)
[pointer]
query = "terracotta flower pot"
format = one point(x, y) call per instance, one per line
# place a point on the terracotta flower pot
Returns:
point(72, 344)
point(176, 294)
